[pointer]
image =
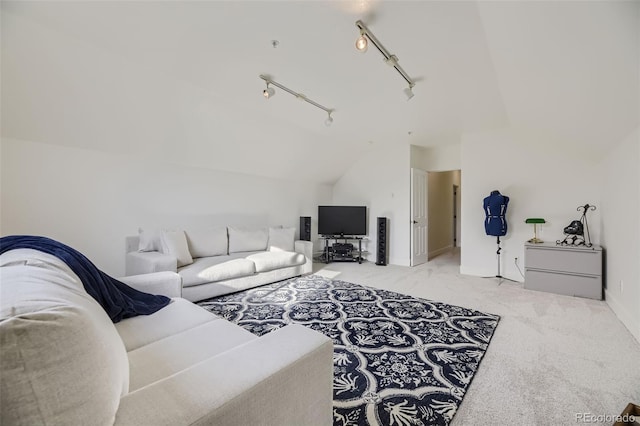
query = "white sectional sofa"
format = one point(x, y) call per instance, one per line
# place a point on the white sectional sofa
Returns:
point(220, 260)
point(63, 362)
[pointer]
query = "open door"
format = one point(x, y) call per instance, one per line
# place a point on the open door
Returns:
point(419, 235)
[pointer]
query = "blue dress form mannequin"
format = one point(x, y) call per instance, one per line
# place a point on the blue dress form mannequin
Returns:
point(495, 208)
point(495, 223)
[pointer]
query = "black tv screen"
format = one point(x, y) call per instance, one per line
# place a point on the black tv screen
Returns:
point(342, 220)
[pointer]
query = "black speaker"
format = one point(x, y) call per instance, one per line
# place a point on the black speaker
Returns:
point(305, 228)
point(381, 252)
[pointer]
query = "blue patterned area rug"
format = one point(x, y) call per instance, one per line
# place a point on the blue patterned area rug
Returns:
point(397, 360)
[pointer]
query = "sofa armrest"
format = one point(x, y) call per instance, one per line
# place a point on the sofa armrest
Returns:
point(165, 283)
point(146, 262)
point(282, 378)
point(306, 248)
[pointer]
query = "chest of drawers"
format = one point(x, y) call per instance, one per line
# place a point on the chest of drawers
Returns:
point(569, 270)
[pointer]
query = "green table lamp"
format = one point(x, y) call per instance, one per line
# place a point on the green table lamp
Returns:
point(535, 221)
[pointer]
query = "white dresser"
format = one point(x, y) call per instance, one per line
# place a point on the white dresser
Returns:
point(570, 270)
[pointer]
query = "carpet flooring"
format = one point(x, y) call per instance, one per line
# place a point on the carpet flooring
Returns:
point(398, 360)
point(552, 359)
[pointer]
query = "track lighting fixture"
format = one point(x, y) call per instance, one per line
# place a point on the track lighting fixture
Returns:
point(409, 91)
point(391, 60)
point(361, 43)
point(269, 92)
point(329, 121)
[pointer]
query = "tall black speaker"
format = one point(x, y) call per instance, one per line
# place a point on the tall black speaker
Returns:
point(305, 228)
point(381, 252)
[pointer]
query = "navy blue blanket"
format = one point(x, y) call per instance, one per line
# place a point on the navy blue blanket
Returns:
point(118, 299)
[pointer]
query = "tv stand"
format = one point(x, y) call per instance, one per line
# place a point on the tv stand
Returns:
point(342, 251)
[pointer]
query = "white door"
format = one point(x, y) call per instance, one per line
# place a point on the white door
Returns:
point(419, 235)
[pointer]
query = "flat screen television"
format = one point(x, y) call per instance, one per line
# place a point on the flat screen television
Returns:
point(342, 220)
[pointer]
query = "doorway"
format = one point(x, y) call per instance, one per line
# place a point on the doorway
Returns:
point(443, 193)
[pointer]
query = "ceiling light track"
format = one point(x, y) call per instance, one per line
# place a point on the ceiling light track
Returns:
point(390, 59)
point(269, 92)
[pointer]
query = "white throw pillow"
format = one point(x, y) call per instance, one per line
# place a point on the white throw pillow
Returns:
point(149, 239)
point(207, 242)
point(281, 239)
point(63, 362)
point(242, 239)
point(175, 244)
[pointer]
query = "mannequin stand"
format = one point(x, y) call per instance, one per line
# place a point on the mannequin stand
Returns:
point(498, 253)
point(499, 275)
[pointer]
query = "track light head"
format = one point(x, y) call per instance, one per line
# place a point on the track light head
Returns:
point(329, 120)
point(362, 43)
point(409, 92)
point(268, 92)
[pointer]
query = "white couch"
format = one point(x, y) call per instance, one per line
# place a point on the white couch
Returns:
point(219, 260)
point(63, 362)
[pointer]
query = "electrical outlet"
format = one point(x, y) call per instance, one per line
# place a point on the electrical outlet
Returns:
point(621, 286)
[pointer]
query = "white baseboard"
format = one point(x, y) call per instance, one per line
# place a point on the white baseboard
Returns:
point(623, 315)
point(477, 272)
point(487, 273)
point(482, 272)
point(398, 261)
point(438, 252)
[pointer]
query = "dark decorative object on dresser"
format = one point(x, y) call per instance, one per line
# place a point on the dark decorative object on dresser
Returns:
point(577, 232)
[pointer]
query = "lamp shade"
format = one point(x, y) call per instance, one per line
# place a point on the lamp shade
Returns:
point(535, 220)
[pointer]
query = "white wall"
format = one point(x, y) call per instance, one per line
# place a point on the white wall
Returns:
point(436, 158)
point(539, 182)
point(380, 180)
point(621, 230)
point(91, 200)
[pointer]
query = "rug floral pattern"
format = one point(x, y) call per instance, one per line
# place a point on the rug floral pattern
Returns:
point(398, 360)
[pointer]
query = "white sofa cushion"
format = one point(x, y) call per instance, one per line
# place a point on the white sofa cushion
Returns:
point(243, 239)
point(144, 329)
point(62, 361)
point(175, 244)
point(208, 242)
point(217, 268)
point(149, 239)
point(281, 239)
point(270, 260)
point(281, 378)
point(175, 353)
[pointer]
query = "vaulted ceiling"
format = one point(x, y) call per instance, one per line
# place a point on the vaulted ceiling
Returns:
point(178, 81)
